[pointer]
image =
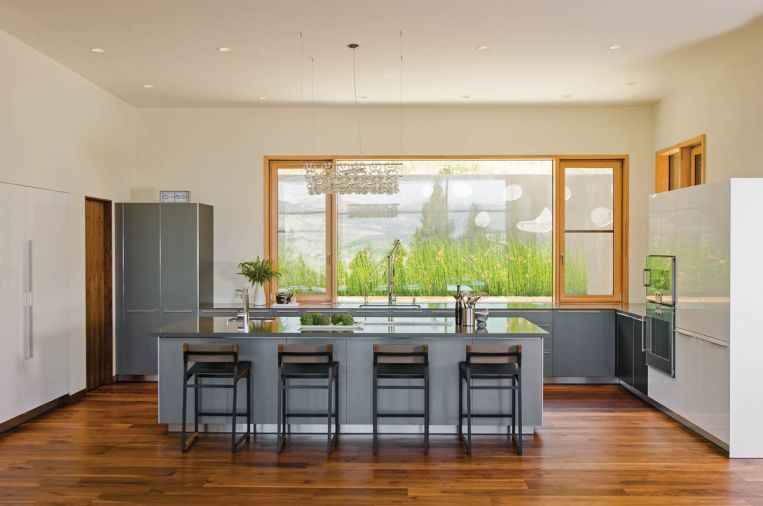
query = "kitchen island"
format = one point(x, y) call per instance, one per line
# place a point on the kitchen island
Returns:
point(353, 350)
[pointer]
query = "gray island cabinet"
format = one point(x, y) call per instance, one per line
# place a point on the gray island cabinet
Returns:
point(353, 351)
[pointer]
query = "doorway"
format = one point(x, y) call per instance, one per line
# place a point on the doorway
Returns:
point(98, 288)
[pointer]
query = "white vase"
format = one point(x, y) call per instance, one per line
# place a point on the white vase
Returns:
point(259, 295)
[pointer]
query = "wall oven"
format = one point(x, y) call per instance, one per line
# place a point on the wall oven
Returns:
point(659, 335)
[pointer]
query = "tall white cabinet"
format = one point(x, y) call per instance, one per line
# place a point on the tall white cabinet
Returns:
point(35, 293)
point(713, 230)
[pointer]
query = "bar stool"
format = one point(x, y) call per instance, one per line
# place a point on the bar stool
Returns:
point(307, 362)
point(491, 362)
point(215, 361)
point(401, 361)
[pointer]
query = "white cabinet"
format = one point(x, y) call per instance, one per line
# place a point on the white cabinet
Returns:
point(35, 291)
point(699, 392)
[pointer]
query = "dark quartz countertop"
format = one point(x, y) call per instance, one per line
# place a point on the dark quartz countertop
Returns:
point(375, 326)
point(638, 310)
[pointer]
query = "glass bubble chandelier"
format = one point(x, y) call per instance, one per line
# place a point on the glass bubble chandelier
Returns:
point(356, 177)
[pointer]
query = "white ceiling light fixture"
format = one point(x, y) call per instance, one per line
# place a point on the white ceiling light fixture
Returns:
point(148, 86)
point(483, 48)
point(377, 177)
point(98, 50)
point(466, 97)
point(262, 97)
point(224, 49)
point(614, 47)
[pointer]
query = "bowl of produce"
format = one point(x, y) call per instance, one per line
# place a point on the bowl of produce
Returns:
point(321, 321)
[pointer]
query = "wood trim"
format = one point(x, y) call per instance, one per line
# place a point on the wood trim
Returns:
point(272, 164)
point(99, 291)
point(686, 175)
point(41, 410)
point(620, 237)
point(270, 228)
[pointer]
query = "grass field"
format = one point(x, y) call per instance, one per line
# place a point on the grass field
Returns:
point(432, 267)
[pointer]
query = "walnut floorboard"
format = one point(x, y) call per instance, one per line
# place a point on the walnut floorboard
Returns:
point(599, 446)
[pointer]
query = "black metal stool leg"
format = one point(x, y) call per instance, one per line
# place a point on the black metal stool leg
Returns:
point(460, 406)
point(375, 411)
point(426, 409)
point(248, 404)
point(329, 391)
point(519, 412)
point(233, 422)
point(279, 432)
point(469, 411)
point(185, 404)
point(196, 402)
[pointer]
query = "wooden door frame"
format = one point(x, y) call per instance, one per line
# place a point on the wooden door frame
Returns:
point(107, 365)
point(620, 275)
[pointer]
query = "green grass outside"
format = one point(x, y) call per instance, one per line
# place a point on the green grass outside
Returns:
point(431, 265)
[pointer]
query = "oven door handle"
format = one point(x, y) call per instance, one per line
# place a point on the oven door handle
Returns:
point(647, 279)
point(646, 336)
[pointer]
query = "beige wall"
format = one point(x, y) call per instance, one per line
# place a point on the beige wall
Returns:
point(217, 154)
point(61, 132)
point(719, 92)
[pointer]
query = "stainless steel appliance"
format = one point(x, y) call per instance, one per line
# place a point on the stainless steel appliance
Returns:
point(659, 335)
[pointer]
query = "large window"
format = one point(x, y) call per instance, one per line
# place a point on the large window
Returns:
point(486, 224)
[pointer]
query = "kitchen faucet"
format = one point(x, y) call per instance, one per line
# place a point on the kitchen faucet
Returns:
point(391, 273)
point(244, 294)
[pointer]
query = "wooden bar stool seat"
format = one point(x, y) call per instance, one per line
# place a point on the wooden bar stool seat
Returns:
point(316, 364)
point(496, 363)
point(215, 361)
point(400, 361)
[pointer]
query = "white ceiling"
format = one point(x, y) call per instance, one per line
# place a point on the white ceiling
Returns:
point(541, 51)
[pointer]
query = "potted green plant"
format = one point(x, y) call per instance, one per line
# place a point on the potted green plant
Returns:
point(258, 272)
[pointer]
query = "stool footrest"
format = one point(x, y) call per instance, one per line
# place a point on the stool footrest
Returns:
point(205, 386)
point(489, 415)
point(220, 413)
point(308, 387)
point(400, 415)
point(497, 387)
point(309, 415)
point(400, 387)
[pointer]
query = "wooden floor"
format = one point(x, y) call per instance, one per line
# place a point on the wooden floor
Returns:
point(599, 445)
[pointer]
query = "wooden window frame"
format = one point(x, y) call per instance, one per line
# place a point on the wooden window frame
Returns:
point(270, 200)
point(686, 175)
point(620, 234)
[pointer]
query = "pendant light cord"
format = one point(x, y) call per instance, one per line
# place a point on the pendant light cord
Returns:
point(312, 102)
point(355, 91)
point(301, 100)
point(402, 145)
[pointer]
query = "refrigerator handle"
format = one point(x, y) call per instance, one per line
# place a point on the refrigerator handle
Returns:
point(27, 345)
point(647, 277)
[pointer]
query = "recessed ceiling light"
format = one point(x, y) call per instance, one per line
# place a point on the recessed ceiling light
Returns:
point(630, 83)
point(97, 50)
point(466, 96)
point(224, 49)
point(148, 86)
point(614, 47)
point(262, 97)
point(363, 97)
point(567, 96)
point(483, 48)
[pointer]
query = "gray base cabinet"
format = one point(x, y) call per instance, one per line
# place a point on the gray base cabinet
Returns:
point(584, 344)
point(631, 358)
point(164, 265)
